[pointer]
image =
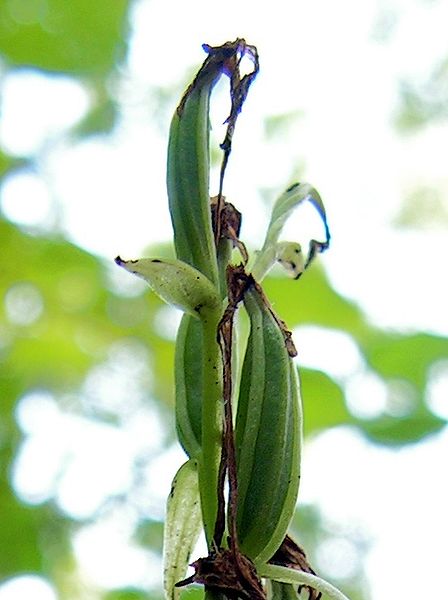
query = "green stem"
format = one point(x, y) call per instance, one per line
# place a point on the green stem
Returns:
point(211, 424)
point(264, 261)
point(293, 576)
point(223, 255)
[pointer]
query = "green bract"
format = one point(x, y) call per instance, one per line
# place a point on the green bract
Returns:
point(177, 283)
point(182, 526)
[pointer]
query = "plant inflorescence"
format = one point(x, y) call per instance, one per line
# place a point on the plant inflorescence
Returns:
point(245, 430)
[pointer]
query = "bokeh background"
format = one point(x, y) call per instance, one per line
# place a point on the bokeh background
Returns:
point(352, 97)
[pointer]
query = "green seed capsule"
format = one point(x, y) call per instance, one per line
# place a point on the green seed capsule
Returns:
point(188, 169)
point(189, 384)
point(267, 435)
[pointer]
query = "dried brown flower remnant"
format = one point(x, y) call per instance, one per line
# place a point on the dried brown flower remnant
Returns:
point(230, 225)
point(233, 575)
point(292, 556)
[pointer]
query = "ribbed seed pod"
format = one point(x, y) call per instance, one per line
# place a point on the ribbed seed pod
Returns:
point(189, 384)
point(267, 435)
point(188, 176)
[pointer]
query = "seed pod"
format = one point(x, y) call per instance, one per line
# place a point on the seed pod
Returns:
point(198, 387)
point(188, 169)
point(188, 372)
point(267, 435)
point(188, 181)
point(189, 158)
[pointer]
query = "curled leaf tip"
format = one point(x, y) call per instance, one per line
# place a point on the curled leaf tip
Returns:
point(294, 195)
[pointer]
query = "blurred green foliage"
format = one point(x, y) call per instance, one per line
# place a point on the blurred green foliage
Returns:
point(423, 208)
point(79, 37)
point(424, 102)
point(60, 314)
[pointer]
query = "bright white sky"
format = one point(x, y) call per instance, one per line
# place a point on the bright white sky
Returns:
point(325, 61)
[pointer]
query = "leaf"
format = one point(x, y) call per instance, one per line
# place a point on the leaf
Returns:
point(102, 116)
point(395, 431)
point(19, 552)
point(323, 402)
point(390, 355)
point(182, 527)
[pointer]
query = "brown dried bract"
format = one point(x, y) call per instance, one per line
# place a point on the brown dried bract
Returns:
point(291, 555)
point(226, 59)
point(287, 335)
point(237, 283)
point(234, 576)
point(230, 224)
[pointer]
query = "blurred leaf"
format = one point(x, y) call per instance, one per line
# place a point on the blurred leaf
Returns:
point(77, 37)
point(309, 530)
point(394, 356)
point(407, 356)
point(7, 163)
point(150, 535)
point(102, 116)
point(79, 320)
point(47, 352)
point(80, 317)
point(424, 102)
point(280, 124)
point(130, 594)
point(323, 402)
point(311, 300)
point(425, 207)
point(23, 552)
point(396, 431)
